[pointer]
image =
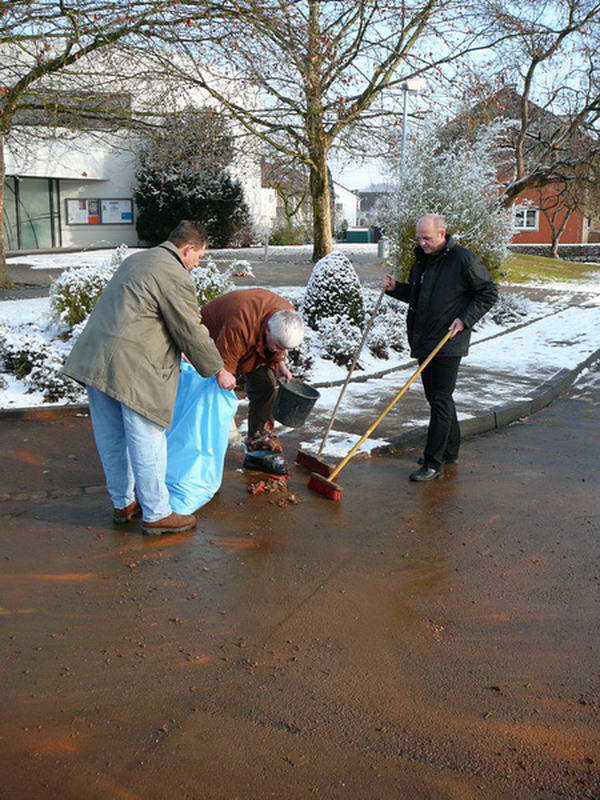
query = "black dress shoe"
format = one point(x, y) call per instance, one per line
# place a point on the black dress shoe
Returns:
point(271, 463)
point(425, 474)
point(450, 461)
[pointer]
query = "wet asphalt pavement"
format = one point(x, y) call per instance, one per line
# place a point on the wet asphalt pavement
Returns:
point(419, 642)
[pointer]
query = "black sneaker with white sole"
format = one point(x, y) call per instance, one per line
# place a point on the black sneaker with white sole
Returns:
point(271, 463)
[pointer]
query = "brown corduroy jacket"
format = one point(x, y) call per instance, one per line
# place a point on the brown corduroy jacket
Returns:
point(237, 322)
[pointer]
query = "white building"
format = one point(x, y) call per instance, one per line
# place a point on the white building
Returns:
point(346, 205)
point(77, 192)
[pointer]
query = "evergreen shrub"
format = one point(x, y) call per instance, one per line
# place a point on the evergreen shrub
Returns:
point(210, 281)
point(301, 359)
point(76, 290)
point(333, 289)
point(339, 337)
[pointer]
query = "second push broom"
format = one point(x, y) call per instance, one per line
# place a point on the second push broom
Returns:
point(313, 462)
point(327, 486)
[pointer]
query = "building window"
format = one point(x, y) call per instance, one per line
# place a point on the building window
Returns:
point(31, 213)
point(526, 219)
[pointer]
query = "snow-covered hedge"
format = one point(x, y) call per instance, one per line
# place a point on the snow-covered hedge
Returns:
point(22, 348)
point(508, 310)
point(339, 337)
point(76, 290)
point(333, 289)
point(211, 282)
point(389, 329)
point(31, 356)
point(301, 359)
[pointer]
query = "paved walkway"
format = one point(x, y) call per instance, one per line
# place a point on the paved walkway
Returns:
point(424, 642)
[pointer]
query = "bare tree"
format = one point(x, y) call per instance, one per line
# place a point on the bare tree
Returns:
point(320, 68)
point(545, 78)
point(60, 68)
point(290, 183)
point(559, 201)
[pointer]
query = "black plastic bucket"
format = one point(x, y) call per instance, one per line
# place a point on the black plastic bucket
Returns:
point(293, 403)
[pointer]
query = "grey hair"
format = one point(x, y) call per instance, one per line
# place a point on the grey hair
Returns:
point(437, 220)
point(287, 327)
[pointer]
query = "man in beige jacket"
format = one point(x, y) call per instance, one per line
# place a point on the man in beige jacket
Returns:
point(128, 357)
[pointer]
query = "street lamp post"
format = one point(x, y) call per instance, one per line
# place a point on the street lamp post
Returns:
point(411, 86)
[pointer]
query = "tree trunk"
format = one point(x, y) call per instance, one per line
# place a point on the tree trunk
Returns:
point(554, 247)
point(321, 202)
point(4, 276)
point(318, 144)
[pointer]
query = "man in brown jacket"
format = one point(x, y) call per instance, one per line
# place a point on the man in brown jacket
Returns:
point(253, 330)
point(128, 357)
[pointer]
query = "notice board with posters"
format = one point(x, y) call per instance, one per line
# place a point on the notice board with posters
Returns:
point(99, 211)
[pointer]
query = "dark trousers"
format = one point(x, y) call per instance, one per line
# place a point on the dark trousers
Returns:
point(443, 435)
point(261, 388)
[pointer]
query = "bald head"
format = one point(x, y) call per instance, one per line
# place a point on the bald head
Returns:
point(431, 233)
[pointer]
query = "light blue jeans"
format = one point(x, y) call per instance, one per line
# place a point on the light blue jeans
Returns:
point(133, 452)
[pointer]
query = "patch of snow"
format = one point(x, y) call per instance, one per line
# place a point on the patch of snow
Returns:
point(17, 395)
point(21, 312)
point(338, 444)
point(86, 258)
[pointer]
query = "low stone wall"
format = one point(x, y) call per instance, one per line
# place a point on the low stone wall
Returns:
point(569, 252)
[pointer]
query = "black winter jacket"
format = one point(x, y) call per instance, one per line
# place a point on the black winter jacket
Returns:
point(442, 287)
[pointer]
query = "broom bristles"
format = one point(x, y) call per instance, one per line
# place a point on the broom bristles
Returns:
point(327, 488)
point(313, 464)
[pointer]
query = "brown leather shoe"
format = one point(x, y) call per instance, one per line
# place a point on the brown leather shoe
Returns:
point(121, 515)
point(174, 523)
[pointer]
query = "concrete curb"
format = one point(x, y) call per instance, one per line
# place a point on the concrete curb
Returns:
point(45, 412)
point(498, 416)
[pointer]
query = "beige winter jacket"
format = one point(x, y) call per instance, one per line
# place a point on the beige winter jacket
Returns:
point(147, 315)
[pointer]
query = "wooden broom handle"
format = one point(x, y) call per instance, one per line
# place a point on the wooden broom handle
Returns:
point(387, 410)
point(351, 370)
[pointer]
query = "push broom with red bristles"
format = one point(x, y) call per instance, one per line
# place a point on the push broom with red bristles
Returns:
point(327, 486)
point(313, 462)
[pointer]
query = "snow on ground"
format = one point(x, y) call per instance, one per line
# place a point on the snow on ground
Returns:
point(544, 347)
point(84, 258)
point(497, 370)
point(339, 443)
point(20, 312)
point(494, 373)
point(589, 285)
point(88, 258)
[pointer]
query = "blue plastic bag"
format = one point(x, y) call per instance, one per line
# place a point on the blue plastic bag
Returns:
point(197, 440)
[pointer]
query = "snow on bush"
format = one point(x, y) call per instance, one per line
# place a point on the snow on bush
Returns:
point(377, 341)
point(210, 281)
point(508, 310)
point(22, 348)
point(339, 337)
point(76, 290)
point(300, 360)
point(457, 180)
point(333, 289)
point(392, 318)
point(48, 379)
point(32, 357)
point(241, 268)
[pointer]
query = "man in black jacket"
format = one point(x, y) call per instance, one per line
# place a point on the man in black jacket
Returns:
point(449, 289)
